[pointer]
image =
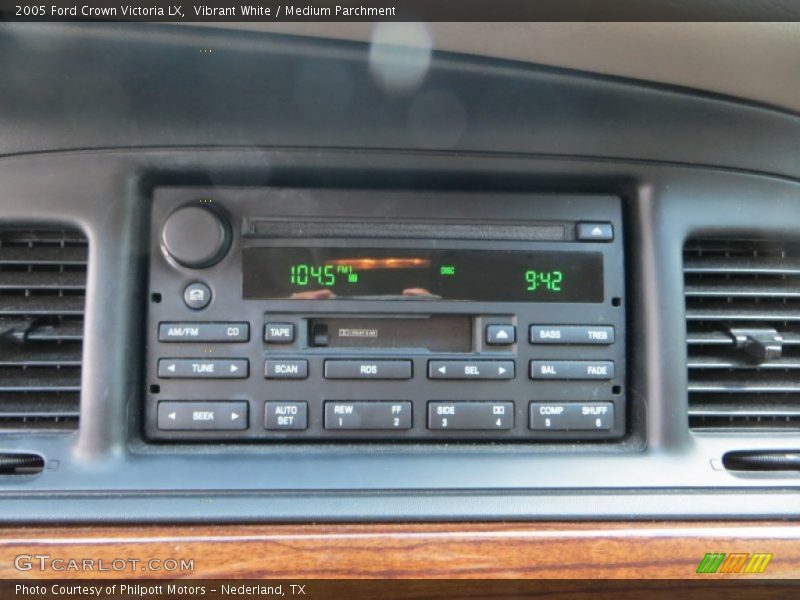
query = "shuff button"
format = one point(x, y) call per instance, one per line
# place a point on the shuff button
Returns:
point(563, 416)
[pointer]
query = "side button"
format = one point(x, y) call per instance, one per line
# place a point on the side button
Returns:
point(471, 415)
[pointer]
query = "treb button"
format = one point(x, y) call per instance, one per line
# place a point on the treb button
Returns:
point(600, 335)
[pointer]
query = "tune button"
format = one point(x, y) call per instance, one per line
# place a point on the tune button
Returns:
point(202, 368)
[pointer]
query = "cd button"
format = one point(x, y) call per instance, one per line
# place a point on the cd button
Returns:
point(471, 369)
point(501, 335)
point(203, 332)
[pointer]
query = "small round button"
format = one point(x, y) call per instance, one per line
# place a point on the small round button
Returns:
point(196, 236)
point(197, 295)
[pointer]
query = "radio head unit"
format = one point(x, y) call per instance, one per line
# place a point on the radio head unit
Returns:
point(307, 315)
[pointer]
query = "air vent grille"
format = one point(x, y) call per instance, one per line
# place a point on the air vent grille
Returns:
point(42, 297)
point(743, 333)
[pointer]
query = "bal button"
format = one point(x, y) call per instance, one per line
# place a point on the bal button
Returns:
point(197, 295)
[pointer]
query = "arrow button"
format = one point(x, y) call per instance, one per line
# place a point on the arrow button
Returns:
point(594, 232)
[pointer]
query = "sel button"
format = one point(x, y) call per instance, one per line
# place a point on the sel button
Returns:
point(471, 369)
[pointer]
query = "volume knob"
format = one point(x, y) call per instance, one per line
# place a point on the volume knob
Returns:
point(196, 236)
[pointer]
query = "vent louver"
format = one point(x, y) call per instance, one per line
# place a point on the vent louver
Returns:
point(42, 295)
point(743, 333)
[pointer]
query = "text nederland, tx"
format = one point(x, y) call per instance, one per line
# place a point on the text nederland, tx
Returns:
point(147, 591)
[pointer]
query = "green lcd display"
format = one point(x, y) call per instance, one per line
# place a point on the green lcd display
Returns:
point(427, 274)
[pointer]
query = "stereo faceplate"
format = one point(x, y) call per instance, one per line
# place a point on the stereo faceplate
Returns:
point(329, 359)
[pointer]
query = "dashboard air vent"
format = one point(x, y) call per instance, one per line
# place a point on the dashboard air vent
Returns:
point(42, 295)
point(743, 333)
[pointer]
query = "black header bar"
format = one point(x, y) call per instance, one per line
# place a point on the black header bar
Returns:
point(398, 10)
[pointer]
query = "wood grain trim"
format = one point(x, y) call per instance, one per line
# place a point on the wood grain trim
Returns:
point(440, 550)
